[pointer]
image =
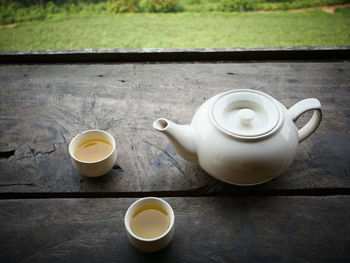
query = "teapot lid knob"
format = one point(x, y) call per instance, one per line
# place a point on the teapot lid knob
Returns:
point(246, 116)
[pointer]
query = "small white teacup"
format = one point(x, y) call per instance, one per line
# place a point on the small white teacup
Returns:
point(93, 167)
point(157, 242)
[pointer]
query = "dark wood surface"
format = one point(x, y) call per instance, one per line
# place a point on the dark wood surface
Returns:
point(43, 106)
point(50, 213)
point(250, 229)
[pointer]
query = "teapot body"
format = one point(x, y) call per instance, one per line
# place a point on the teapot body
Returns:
point(243, 162)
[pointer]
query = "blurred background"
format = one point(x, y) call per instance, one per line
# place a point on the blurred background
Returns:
point(80, 24)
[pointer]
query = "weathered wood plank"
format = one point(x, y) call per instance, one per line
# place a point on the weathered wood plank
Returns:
point(273, 229)
point(43, 106)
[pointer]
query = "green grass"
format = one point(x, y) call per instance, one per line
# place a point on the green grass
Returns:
point(181, 30)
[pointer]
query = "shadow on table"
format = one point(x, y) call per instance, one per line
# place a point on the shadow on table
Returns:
point(163, 255)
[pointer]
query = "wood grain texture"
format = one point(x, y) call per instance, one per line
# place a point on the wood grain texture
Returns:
point(43, 106)
point(273, 229)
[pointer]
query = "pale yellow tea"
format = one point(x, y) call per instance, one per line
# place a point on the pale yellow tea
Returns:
point(93, 150)
point(150, 222)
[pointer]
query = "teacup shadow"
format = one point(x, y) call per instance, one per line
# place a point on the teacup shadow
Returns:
point(160, 256)
point(103, 179)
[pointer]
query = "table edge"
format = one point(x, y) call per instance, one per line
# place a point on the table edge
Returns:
point(176, 54)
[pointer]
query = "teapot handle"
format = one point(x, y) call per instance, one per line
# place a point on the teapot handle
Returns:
point(300, 108)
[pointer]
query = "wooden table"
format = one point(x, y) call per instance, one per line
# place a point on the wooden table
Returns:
point(48, 212)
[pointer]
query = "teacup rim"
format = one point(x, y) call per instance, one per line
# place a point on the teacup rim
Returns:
point(87, 131)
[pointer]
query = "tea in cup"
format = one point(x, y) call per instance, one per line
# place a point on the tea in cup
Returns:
point(93, 152)
point(149, 223)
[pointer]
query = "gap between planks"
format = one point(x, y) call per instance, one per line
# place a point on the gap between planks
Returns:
point(194, 193)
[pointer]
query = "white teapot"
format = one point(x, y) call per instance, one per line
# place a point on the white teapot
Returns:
point(243, 136)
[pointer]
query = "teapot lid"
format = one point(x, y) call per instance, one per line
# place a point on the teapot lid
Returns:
point(246, 114)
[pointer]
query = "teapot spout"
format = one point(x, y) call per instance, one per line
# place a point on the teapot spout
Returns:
point(180, 136)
